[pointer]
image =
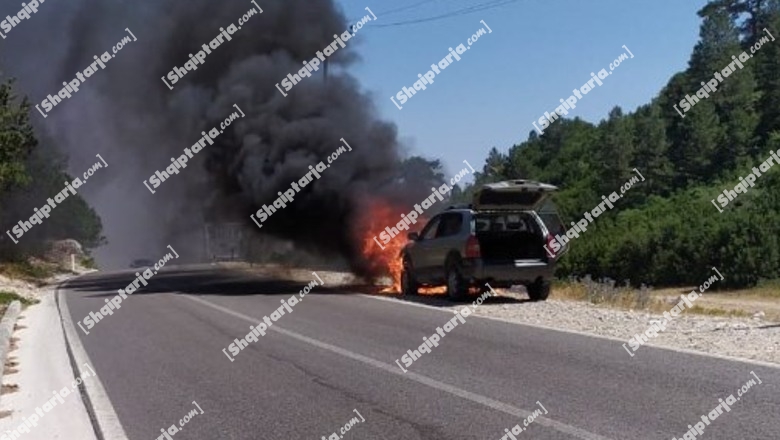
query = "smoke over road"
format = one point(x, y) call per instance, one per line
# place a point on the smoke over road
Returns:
point(127, 114)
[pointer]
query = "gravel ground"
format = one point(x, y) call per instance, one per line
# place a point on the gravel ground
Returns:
point(750, 338)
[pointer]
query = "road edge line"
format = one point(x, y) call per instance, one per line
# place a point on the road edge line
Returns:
point(105, 421)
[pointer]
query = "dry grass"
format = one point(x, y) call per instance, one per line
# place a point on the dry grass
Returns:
point(755, 293)
point(740, 303)
point(717, 311)
point(605, 292)
point(34, 272)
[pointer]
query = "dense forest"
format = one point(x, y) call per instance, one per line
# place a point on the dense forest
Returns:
point(666, 231)
point(30, 173)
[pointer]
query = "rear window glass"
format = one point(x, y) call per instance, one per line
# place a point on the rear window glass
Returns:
point(511, 222)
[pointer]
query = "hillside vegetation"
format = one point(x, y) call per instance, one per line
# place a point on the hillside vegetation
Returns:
point(666, 230)
point(30, 173)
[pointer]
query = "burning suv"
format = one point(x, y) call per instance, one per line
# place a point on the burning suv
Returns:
point(498, 239)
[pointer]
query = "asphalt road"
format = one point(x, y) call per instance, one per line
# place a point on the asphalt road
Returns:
point(337, 351)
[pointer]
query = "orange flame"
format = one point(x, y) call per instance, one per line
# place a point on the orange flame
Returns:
point(432, 290)
point(385, 261)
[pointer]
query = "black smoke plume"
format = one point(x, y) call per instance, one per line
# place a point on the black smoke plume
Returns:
point(126, 113)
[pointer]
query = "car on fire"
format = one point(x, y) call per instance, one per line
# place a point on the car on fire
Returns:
point(499, 239)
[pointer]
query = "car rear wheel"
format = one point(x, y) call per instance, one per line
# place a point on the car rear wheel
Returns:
point(538, 291)
point(457, 287)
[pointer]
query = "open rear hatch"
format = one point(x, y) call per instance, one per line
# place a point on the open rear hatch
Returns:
point(512, 195)
point(509, 237)
point(506, 230)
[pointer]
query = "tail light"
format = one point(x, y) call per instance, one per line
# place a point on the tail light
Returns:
point(550, 240)
point(472, 247)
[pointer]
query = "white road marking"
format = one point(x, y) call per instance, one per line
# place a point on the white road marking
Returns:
point(441, 386)
point(104, 411)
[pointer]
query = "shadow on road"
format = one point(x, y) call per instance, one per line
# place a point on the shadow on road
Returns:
point(207, 280)
point(204, 281)
point(441, 299)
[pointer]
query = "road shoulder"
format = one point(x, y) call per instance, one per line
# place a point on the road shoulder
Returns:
point(43, 368)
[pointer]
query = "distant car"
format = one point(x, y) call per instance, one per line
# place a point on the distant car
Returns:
point(141, 263)
point(498, 239)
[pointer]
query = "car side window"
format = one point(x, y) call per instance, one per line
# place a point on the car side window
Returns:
point(429, 231)
point(553, 223)
point(450, 225)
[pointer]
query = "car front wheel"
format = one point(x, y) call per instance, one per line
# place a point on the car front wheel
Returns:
point(409, 284)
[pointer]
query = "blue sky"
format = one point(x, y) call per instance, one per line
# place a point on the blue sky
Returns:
point(538, 52)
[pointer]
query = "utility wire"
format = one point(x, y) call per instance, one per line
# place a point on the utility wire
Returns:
point(404, 8)
point(393, 11)
point(464, 11)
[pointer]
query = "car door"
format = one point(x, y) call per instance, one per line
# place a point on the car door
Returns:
point(448, 238)
point(421, 249)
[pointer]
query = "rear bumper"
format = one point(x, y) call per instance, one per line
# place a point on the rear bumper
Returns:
point(518, 272)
